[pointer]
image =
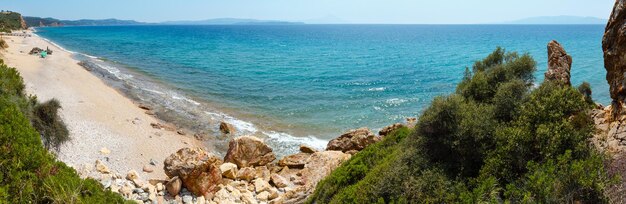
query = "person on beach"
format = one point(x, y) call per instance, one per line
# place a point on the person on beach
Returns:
point(44, 54)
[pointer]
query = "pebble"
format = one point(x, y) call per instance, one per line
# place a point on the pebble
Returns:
point(187, 199)
point(105, 151)
point(147, 169)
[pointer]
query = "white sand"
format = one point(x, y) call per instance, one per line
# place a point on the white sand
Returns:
point(97, 115)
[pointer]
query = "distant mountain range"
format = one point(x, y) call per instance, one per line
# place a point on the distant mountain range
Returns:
point(39, 22)
point(558, 20)
point(231, 21)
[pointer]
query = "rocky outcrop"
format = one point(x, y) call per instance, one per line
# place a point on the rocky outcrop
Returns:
point(227, 128)
point(614, 47)
point(248, 151)
point(353, 140)
point(386, 130)
point(198, 170)
point(559, 64)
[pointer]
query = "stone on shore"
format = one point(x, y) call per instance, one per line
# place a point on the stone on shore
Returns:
point(279, 181)
point(147, 169)
point(248, 151)
point(198, 170)
point(100, 167)
point(559, 64)
point(353, 140)
point(614, 47)
point(229, 170)
point(307, 149)
point(386, 130)
point(294, 161)
point(174, 186)
point(227, 128)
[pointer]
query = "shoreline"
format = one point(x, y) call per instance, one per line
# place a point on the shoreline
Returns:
point(97, 115)
point(189, 112)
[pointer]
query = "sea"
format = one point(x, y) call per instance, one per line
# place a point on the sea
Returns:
point(307, 84)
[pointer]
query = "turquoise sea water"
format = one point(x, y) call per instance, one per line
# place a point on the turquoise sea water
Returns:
point(309, 83)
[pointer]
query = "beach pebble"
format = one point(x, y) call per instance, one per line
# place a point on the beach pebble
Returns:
point(132, 175)
point(100, 167)
point(187, 199)
point(147, 169)
point(105, 151)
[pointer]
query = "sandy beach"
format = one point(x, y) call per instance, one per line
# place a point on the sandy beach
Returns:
point(97, 115)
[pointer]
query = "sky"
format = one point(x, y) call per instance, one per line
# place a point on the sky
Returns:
point(314, 11)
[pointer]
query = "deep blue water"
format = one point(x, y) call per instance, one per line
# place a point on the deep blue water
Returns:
point(324, 79)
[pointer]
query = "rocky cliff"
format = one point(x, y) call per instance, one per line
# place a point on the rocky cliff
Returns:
point(614, 46)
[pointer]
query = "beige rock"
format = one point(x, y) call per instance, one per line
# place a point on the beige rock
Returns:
point(307, 149)
point(248, 198)
point(105, 151)
point(279, 181)
point(100, 167)
point(147, 169)
point(296, 161)
point(132, 175)
point(198, 170)
point(126, 191)
point(353, 140)
point(159, 186)
point(320, 165)
point(263, 196)
point(246, 173)
point(229, 170)
point(248, 151)
point(273, 193)
point(261, 185)
point(262, 172)
point(174, 186)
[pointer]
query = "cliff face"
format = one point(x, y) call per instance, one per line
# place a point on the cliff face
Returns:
point(614, 47)
point(23, 22)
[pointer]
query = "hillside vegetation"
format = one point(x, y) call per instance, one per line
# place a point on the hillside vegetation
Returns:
point(10, 21)
point(496, 139)
point(28, 172)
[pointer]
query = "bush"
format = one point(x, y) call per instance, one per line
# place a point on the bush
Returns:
point(3, 44)
point(494, 140)
point(585, 90)
point(49, 124)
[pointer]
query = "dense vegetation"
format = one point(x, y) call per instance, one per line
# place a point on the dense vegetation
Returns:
point(496, 139)
point(28, 172)
point(10, 21)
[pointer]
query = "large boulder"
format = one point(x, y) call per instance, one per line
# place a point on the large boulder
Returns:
point(249, 151)
point(353, 140)
point(198, 170)
point(614, 46)
point(559, 64)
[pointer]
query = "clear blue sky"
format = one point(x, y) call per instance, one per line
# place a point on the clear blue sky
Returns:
point(349, 11)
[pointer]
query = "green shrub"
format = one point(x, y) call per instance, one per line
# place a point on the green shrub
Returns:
point(49, 124)
point(493, 141)
point(3, 44)
point(585, 90)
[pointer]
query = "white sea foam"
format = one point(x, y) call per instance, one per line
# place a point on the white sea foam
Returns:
point(396, 101)
point(296, 141)
point(178, 97)
point(239, 124)
point(377, 89)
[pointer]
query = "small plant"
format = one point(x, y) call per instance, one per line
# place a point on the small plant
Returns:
point(49, 124)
